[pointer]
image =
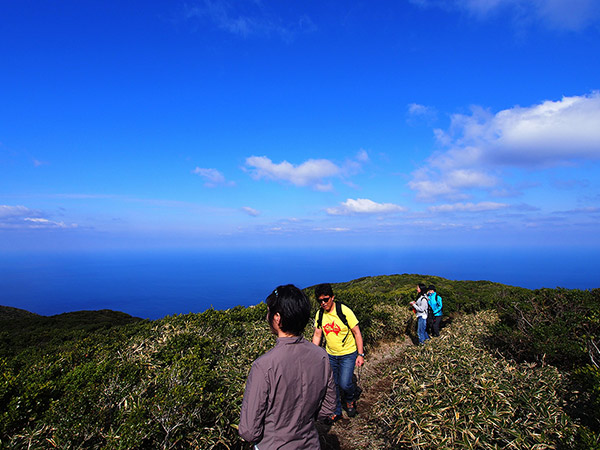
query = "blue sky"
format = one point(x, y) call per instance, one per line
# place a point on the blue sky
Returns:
point(232, 123)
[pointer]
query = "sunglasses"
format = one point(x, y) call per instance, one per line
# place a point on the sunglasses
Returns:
point(324, 300)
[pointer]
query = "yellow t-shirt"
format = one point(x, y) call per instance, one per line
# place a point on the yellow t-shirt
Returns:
point(334, 331)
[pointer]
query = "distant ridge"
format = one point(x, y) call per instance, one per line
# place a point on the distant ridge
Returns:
point(10, 313)
point(101, 315)
point(21, 329)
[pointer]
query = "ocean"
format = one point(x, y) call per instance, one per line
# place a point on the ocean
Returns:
point(154, 284)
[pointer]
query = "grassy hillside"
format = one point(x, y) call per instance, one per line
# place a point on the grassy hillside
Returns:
point(104, 380)
point(10, 313)
point(22, 330)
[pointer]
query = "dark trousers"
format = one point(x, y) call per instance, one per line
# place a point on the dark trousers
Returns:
point(437, 320)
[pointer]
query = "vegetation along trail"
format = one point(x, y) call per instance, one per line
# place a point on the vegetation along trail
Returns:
point(513, 368)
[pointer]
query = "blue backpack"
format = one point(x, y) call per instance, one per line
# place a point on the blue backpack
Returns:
point(435, 304)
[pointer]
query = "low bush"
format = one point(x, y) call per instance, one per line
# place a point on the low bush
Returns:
point(559, 327)
point(452, 393)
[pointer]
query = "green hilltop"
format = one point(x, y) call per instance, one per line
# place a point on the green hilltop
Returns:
point(10, 313)
point(22, 329)
point(513, 368)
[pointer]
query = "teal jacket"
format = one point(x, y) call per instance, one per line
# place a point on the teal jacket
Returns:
point(435, 301)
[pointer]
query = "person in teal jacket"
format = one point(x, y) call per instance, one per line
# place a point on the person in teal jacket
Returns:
point(435, 301)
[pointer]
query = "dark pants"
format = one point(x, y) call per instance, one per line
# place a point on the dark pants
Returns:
point(437, 320)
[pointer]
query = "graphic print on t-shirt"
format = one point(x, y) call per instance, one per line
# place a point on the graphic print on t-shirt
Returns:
point(332, 328)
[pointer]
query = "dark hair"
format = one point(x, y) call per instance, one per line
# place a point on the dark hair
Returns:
point(422, 288)
point(323, 289)
point(293, 307)
point(431, 288)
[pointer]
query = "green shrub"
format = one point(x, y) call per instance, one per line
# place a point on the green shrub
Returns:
point(453, 394)
point(549, 324)
point(559, 327)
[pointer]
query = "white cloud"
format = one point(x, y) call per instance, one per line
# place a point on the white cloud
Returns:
point(248, 18)
point(362, 156)
point(250, 211)
point(331, 229)
point(550, 133)
point(212, 177)
point(45, 223)
point(482, 144)
point(10, 212)
point(354, 165)
point(424, 113)
point(363, 206)
point(450, 183)
point(464, 178)
point(568, 14)
point(468, 207)
point(312, 172)
point(415, 109)
point(560, 14)
point(484, 7)
point(20, 217)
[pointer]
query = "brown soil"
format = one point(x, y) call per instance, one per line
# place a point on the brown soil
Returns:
point(375, 380)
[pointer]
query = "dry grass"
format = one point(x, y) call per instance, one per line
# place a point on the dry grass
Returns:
point(453, 394)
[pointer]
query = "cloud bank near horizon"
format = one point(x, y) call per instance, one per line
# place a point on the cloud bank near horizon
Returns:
point(363, 206)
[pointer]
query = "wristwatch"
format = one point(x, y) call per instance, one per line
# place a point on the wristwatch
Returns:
point(361, 354)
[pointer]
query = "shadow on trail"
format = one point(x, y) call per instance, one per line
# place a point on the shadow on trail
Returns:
point(328, 441)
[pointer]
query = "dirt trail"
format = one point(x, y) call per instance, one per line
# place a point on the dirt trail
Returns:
point(375, 380)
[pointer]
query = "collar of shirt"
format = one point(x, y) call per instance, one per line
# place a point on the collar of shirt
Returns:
point(288, 340)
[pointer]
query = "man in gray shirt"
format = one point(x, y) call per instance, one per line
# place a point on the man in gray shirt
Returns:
point(289, 386)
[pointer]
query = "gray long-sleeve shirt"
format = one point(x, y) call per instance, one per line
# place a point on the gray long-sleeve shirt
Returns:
point(421, 306)
point(287, 387)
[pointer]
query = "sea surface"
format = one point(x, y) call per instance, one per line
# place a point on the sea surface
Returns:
point(154, 284)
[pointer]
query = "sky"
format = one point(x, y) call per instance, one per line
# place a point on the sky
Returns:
point(212, 123)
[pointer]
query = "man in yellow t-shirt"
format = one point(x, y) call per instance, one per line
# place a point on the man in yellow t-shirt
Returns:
point(344, 345)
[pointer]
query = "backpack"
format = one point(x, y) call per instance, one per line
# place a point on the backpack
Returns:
point(340, 314)
point(430, 318)
point(438, 302)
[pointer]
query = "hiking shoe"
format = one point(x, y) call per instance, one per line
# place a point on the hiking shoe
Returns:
point(351, 409)
point(333, 419)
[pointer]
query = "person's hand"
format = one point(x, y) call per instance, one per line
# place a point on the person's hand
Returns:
point(360, 360)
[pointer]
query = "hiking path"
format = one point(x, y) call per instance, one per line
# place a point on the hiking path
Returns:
point(375, 379)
